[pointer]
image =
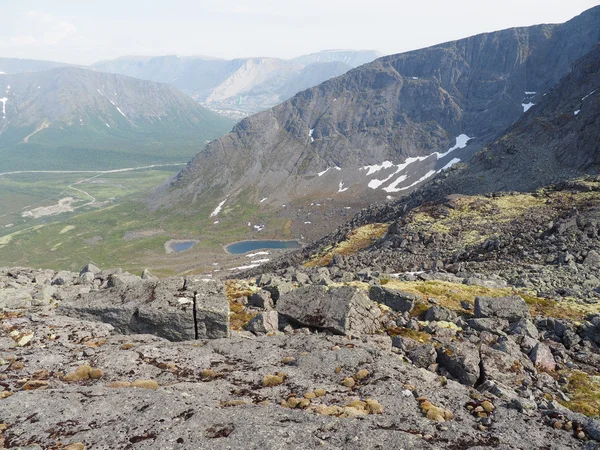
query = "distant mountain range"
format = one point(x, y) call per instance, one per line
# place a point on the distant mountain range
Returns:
point(71, 118)
point(385, 128)
point(241, 86)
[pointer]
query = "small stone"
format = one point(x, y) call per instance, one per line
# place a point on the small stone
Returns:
point(5, 394)
point(335, 347)
point(310, 395)
point(558, 425)
point(338, 369)
point(145, 384)
point(581, 435)
point(288, 360)
point(126, 346)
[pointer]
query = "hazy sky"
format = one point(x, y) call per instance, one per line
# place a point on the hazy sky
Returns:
point(84, 31)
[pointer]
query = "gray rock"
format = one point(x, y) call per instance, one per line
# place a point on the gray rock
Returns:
point(512, 308)
point(423, 356)
point(86, 279)
point(322, 277)
point(265, 322)
point(14, 298)
point(278, 286)
point(212, 316)
point(300, 277)
point(147, 275)
point(91, 268)
point(159, 307)
point(261, 299)
point(592, 259)
point(343, 310)
point(118, 280)
point(439, 313)
point(593, 429)
point(542, 357)
point(461, 360)
point(393, 298)
point(524, 327)
point(63, 278)
point(494, 326)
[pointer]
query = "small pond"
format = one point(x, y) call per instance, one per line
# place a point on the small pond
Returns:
point(238, 248)
point(174, 246)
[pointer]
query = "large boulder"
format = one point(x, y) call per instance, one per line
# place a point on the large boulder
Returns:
point(512, 308)
point(542, 357)
point(164, 308)
point(265, 322)
point(393, 298)
point(342, 310)
point(14, 298)
point(461, 360)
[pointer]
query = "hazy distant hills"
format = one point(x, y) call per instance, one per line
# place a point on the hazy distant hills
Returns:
point(240, 86)
point(18, 65)
point(71, 118)
point(386, 127)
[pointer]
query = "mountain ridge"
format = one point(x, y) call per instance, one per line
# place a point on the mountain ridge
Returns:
point(103, 112)
point(408, 110)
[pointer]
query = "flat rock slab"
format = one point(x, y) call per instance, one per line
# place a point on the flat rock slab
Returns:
point(393, 298)
point(342, 310)
point(512, 308)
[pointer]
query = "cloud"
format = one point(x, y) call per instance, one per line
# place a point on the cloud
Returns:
point(43, 29)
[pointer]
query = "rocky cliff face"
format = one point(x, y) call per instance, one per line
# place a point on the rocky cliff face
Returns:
point(386, 127)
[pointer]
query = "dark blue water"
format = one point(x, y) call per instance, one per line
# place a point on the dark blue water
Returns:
point(239, 248)
point(181, 246)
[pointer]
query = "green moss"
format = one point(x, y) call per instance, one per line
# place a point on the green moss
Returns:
point(584, 392)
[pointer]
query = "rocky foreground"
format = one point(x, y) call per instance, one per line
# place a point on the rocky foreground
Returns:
point(303, 358)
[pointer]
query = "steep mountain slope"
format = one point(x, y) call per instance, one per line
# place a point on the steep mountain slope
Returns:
point(18, 65)
point(463, 215)
point(387, 126)
point(69, 118)
point(240, 86)
point(557, 139)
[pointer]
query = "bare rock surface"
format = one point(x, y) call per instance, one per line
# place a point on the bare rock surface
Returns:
point(343, 310)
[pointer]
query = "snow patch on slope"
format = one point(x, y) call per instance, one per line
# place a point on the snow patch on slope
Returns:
point(218, 209)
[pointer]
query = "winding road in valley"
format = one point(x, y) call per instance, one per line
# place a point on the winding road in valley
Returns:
point(97, 173)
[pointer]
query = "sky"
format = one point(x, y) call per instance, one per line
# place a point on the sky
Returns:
point(83, 32)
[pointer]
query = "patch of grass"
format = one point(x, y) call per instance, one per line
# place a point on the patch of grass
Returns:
point(355, 241)
point(450, 295)
point(467, 217)
point(565, 309)
point(240, 316)
point(584, 392)
point(418, 336)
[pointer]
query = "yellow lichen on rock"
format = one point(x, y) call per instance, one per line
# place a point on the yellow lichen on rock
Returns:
point(145, 384)
point(272, 380)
